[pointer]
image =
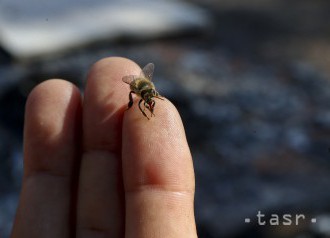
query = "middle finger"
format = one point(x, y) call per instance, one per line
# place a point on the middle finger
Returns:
point(100, 194)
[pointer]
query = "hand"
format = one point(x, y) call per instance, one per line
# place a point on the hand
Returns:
point(92, 169)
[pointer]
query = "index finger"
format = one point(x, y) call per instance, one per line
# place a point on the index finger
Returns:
point(158, 174)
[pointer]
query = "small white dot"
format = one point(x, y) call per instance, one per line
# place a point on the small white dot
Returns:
point(247, 220)
point(313, 220)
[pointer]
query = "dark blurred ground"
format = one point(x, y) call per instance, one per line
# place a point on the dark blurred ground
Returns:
point(254, 94)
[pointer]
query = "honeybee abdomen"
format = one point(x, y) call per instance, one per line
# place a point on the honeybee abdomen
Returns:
point(141, 84)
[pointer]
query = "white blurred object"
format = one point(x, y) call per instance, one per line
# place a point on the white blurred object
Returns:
point(322, 225)
point(36, 27)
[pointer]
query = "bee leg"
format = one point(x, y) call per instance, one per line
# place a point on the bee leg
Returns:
point(152, 106)
point(149, 107)
point(159, 97)
point(130, 103)
point(144, 114)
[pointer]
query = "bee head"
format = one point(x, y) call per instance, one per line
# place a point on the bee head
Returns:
point(151, 103)
point(147, 96)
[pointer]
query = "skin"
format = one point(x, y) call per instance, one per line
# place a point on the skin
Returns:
point(94, 170)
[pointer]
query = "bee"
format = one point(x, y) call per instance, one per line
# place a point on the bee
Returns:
point(142, 86)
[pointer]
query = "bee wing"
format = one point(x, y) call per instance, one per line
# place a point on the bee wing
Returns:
point(148, 71)
point(129, 79)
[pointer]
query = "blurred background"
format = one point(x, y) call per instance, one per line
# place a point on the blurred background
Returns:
point(250, 79)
